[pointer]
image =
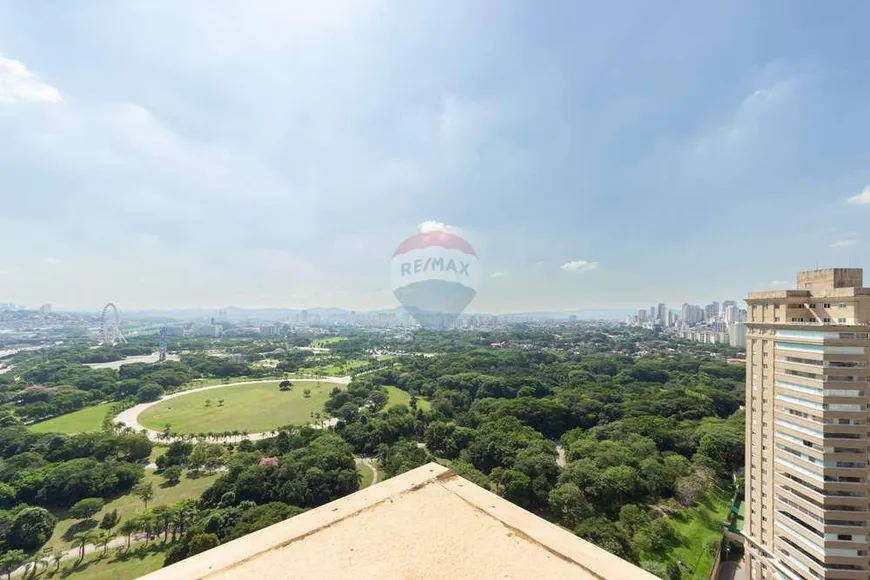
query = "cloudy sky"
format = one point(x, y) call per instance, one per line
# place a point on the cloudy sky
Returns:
point(274, 153)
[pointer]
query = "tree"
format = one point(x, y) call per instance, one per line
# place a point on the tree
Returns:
point(31, 528)
point(569, 503)
point(103, 540)
point(285, 386)
point(172, 475)
point(129, 527)
point(110, 520)
point(208, 402)
point(7, 495)
point(56, 557)
point(307, 393)
point(82, 539)
point(149, 392)
point(11, 561)
point(145, 492)
point(201, 543)
point(86, 508)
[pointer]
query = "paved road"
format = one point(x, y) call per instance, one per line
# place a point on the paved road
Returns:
point(130, 417)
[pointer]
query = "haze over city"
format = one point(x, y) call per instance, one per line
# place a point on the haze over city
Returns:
point(275, 154)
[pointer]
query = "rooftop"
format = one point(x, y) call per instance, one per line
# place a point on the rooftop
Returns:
point(426, 523)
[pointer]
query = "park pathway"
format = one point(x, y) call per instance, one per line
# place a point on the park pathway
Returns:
point(368, 463)
point(130, 417)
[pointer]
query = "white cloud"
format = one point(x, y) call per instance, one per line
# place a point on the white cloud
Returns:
point(539, 263)
point(845, 243)
point(862, 198)
point(497, 275)
point(19, 85)
point(579, 266)
point(778, 284)
point(433, 226)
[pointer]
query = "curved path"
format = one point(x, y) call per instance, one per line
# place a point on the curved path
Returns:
point(130, 417)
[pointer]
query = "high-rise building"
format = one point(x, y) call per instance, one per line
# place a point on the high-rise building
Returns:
point(737, 334)
point(661, 314)
point(807, 429)
point(641, 315)
point(45, 309)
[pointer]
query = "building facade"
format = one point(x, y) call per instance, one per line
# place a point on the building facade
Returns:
point(807, 429)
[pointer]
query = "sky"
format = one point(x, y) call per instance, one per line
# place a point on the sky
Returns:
point(253, 153)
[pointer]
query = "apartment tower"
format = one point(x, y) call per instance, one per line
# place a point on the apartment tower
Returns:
point(807, 429)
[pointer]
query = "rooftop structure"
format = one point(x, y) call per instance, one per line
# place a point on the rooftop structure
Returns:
point(426, 523)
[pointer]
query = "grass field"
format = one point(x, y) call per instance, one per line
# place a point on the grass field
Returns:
point(325, 342)
point(696, 527)
point(333, 369)
point(129, 504)
point(400, 397)
point(116, 565)
point(253, 408)
point(367, 475)
point(84, 420)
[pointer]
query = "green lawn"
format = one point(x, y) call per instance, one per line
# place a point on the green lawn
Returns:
point(334, 369)
point(325, 342)
point(367, 475)
point(84, 420)
point(129, 504)
point(399, 397)
point(696, 527)
point(118, 564)
point(253, 408)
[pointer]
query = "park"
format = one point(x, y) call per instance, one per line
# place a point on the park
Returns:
point(249, 408)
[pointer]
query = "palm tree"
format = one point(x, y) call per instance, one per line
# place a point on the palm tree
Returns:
point(56, 557)
point(103, 540)
point(82, 539)
point(129, 527)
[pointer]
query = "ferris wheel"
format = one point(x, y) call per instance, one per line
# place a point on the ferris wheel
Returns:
point(109, 326)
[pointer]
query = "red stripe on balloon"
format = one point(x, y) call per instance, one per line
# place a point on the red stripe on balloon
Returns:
point(438, 238)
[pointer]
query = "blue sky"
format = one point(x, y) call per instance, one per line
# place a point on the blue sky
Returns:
point(254, 153)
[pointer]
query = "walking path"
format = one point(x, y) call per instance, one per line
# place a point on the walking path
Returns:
point(130, 417)
point(73, 553)
point(368, 463)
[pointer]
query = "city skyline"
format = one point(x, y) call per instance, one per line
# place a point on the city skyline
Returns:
point(276, 154)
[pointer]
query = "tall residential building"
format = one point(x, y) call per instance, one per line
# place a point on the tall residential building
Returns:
point(662, 314)
point(807, 429)
point(641, 315)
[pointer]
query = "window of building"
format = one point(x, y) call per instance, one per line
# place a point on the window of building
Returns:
point(776, 318)
point(812, 305)
point(826, 305)
point(844, 537)
point(841, 305)
point(841, 320)
point(826, 319)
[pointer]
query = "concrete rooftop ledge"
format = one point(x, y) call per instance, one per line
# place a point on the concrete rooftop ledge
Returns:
point(426, 523)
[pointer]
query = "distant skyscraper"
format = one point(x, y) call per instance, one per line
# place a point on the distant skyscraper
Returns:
point(641, 315)
point(45, 309)
point(711, 311)
point(662, 314)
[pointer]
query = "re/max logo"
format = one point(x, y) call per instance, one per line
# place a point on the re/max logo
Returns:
point(435, 265)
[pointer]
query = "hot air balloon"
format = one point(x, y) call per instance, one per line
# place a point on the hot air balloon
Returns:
point(434, 275)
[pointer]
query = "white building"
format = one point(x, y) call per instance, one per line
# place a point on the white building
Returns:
point(737, 334)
